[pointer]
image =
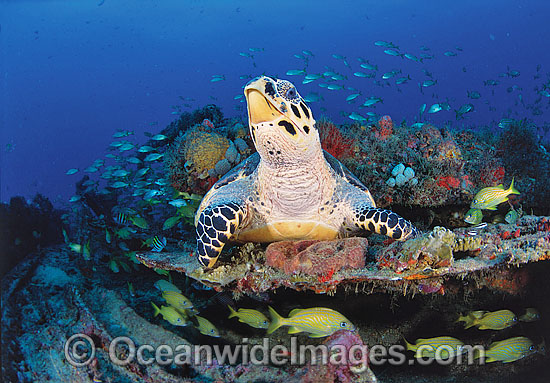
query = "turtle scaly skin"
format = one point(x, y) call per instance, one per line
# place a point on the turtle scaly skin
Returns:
point(290, 189)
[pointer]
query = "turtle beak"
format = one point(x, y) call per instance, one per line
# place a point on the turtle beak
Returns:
point(259, 108)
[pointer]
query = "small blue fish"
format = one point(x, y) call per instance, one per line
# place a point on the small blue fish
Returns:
point(435, 108)
point(295, 72)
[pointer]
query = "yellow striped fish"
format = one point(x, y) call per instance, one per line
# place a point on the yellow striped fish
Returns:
point(473, 216)
point(496, 320)
point(488, 198)
point(206, 327)
point(317, 321)
point(170, 314)
point(441, 347)
point(251, 317)
point(178, 301)
point(508, 350)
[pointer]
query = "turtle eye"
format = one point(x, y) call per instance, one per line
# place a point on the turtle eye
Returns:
point(291, 93)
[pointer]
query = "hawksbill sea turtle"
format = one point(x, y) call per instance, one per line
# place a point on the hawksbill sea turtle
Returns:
point(291, 188)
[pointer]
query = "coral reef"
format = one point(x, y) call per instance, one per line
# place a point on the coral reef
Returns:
point(388, 289)
point(199, 156)
point(526, 159)
point(188, 119)
point(333, 140)
point(385, 128)
point(430, 251)
point(449, 166)
point(317, 257)
point(420, 265)
point(202, 150)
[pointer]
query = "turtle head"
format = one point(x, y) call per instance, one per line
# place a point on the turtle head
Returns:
point(281, 124)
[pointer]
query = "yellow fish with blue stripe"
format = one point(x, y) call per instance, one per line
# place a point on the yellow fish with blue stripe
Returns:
point(317, 321)
point(170, 314)
point(496, 320)
point(251, 317)
point(508, 350)
point(206, 327)
point(441, 347)
point(490, 197)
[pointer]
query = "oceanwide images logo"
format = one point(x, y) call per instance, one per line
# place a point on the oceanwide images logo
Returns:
point(80, 351)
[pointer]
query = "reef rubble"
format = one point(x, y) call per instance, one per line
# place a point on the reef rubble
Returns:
point(421, 265)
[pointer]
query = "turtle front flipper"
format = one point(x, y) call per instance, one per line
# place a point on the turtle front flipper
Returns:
point(215, 226)
point(384, 222)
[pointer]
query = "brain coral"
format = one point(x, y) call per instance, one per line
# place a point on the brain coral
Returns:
point(192, 155)
point(202, 150)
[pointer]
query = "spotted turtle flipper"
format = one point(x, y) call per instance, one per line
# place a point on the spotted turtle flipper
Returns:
point(216, 226)
point(385, 222)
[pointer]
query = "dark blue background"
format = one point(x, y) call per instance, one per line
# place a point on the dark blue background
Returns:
point(73, 72)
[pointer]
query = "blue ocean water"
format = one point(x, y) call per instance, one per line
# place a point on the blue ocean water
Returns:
point(73, 73)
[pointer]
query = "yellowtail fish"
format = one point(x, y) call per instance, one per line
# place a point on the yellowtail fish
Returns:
point(217, 77)
point(86, 252)
point(170, 314)
point(357, 117)
point(153, 157)
point(145, 149)
point(177, 300)
point(318, 321)
point(206, 327)
point(435, 108)
point(164, 286)
point(441, 347)
point(508, 350)
point(496, 320)
point(473, 216)
point(531, 315)
point(159, 137)
point(139, 222)
point(490, 197)
point(162, 272)
point(251, 317)
point(295, 72)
